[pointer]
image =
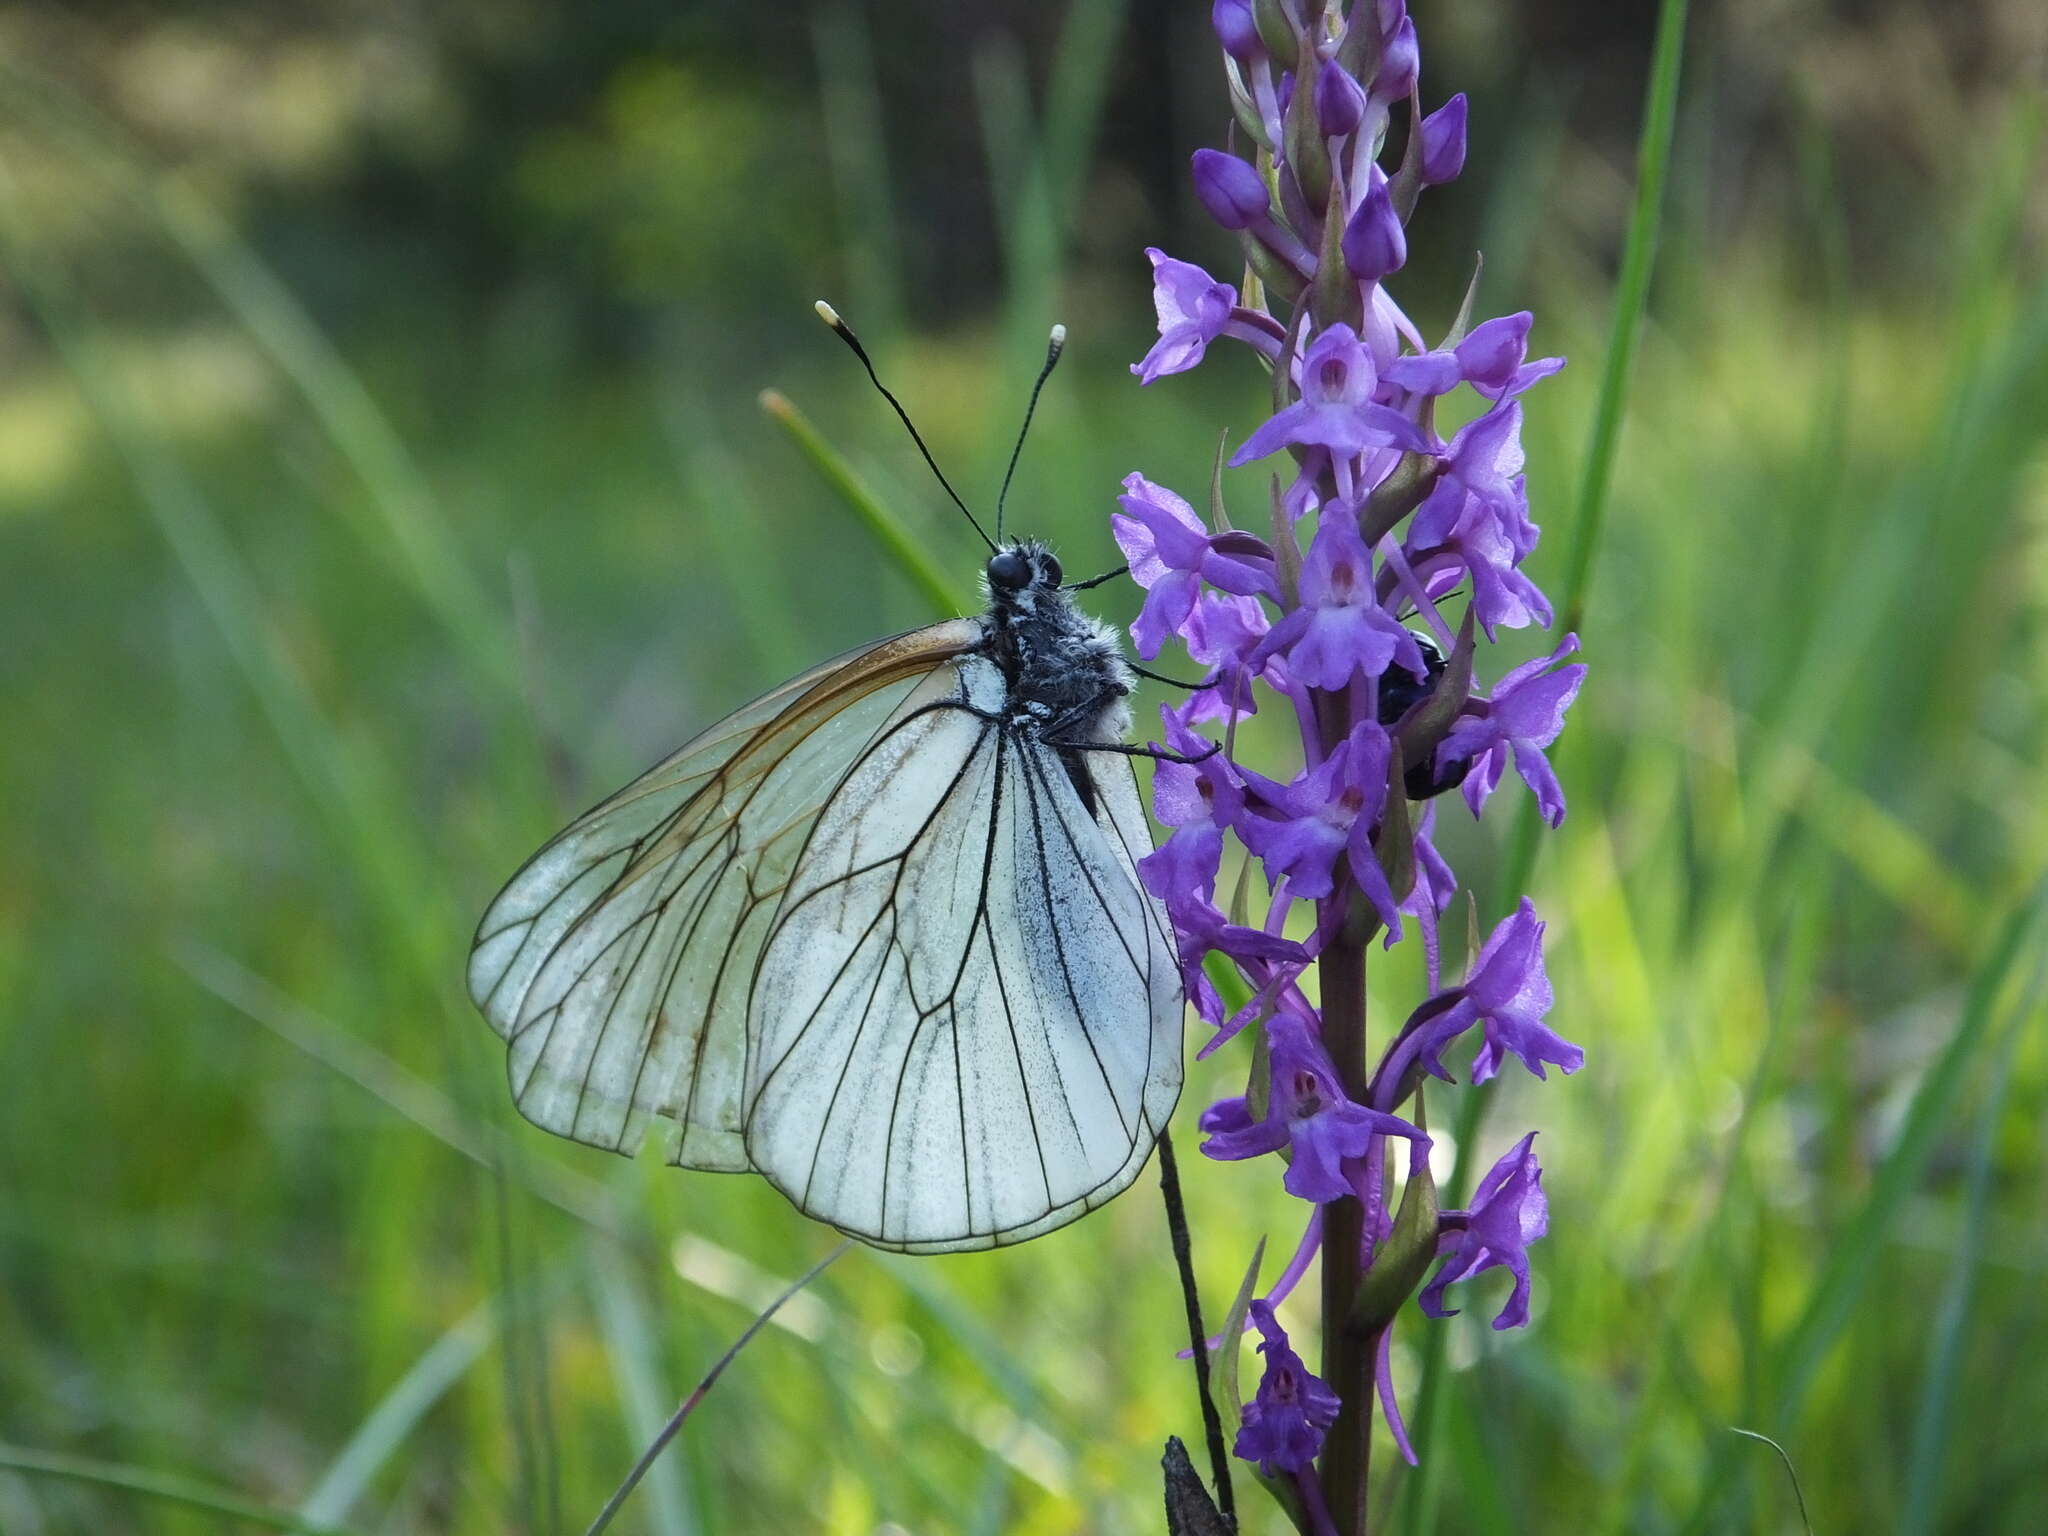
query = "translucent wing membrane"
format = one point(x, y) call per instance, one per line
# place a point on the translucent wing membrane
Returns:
point(866, 938)
point(617, 963)
point(967, 1021)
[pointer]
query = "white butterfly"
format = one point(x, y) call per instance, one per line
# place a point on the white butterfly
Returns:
point(877, 935)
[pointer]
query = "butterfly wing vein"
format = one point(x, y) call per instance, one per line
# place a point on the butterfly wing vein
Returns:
point(861, 938)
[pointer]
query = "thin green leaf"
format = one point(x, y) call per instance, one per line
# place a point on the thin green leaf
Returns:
point(157, 1485)
point(1230, 1401)
point(1791, 1472)
point(397, 1414)
point(1938, 1391)
point(634, 1353)
point(897, 541)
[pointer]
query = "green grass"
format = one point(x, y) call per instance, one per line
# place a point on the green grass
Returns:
point(292, 686)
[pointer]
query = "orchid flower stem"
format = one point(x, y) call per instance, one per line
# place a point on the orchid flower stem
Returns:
point(1347, 1356)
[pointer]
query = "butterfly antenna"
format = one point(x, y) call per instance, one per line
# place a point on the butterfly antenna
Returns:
point(1053, 349)
point(844, 332)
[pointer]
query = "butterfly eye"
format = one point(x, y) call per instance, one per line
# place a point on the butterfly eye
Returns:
point(1050, 565)
point(1009, 570)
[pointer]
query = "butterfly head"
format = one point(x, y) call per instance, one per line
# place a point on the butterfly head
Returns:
point(1018, 572)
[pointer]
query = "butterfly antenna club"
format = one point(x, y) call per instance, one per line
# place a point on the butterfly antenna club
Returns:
point(844, 332)
point(1054, 346)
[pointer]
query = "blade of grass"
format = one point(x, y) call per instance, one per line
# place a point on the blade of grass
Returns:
point(1853, 1255)
point(633, 1353)
point(156, 1485)
point(842, 42)
point(1952, 1315)
point(1639, 259)
point(1043, 168)
point(897, 541)
point(1632, 294)
point(1791, 1473)
point(397, 1414)
point(688, 1405)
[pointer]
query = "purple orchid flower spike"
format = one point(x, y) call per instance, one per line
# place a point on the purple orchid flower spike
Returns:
point(1508, 994)
point(1524, 716)
point(1340, 631)
point(1286, 1419)
point(1509, 1212)
point(1193, 308)
point(1336, 410)
point(1307, 1111)
point(1171, 554)
point(1327, 814)
point(1396, 558)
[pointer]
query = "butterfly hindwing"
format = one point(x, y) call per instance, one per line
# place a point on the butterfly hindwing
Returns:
point(966, 1023)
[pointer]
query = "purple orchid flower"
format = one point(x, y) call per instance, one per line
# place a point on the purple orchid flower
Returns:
point(1286, 1419)
point(1508, 994)
point(1327, 814)
point(1509, 1212)
point(1524, 716)
point(1340, 631)
point(1336, 410)
point(1224, 634)
point(1480, 484)
point(1443, 142)
point(1374, 242)
point(1307, 1112)
point(1193, 311)
point(1200, 801)
point(1489, 358)
point(1172, 554)
point(1200, 928)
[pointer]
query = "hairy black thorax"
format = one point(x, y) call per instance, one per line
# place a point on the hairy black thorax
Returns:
point(1064, 671)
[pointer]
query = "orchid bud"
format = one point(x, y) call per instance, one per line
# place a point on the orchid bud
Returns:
point(1230, 189)
point(1400, 63)
point(1443, 142)
point(1340, 101)
point(1236, 30)
point(1374, 242)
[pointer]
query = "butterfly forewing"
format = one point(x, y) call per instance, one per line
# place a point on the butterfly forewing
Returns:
point(966, 1021)
point(617, 964)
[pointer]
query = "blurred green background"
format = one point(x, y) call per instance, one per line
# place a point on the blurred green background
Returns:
point(382, 479)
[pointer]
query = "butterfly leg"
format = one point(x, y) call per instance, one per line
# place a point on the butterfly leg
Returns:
point(1173, 682)
point(1054, 735)
point(1095, 581)
point(1157, 754)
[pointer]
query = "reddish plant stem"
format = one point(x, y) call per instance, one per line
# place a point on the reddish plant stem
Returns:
point(1347, 1353)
